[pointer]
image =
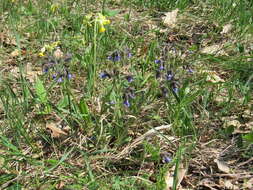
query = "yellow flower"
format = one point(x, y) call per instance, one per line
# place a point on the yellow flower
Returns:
point(87, 19)
point(41, 54)
point(55, 44)
point(54, 7)
point(102, 20)
point(48, 47)
point(102, 29)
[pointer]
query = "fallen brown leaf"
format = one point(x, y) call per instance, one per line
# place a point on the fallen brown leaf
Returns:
point(170, 18)
point(58, 53)
point(213, 49)
point(227, 28)
point(248, 184)
point(60, 185)
point(55, 131)
point(15, 53)
point(32, 72)
point(222, 166)
point(169, 178)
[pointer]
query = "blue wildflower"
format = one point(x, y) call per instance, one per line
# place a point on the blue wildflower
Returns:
point(69, 76)
point(46, 69)
point(131, 95)
point(166, 159)
point(158, 61)
point(129, 78)
point(174, 87)
point(129, 55)
point(169, 76)
point(188, 69)
point(115, 56)
point(126, 103)
point(104, 74)
point(161, 67)
point(60, 79)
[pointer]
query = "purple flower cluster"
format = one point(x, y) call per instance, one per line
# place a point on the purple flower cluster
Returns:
point(188, 69)
point(129, 94)
point(117, 56)
point(168, 77)
point(114, 57)
point(58, 68)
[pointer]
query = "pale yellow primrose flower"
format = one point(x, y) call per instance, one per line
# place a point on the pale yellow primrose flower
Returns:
point(101, 20)
point(87, 19)
point(41, 54)
point(54, 7)
point(48, 47)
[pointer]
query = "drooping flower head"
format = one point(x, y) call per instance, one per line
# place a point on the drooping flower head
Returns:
point(102, 21)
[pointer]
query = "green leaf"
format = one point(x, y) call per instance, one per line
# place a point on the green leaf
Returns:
point(110, 13)
point(229, 130)
point(83, 107)
point(41, 91)
point(248, 137)
point(63, 102)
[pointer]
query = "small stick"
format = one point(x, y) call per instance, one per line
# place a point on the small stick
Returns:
point(139, 140)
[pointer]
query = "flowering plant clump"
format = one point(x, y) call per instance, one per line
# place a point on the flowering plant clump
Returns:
point(102, 21)
point(168, 77)
point(114, 57)
point(99, 19)
point(55, 63)
point(54, 7)
point(48, 48)
point(129, 94)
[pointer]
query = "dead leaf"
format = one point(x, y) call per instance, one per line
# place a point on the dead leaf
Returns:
point(55, 131)
point(229, 185)
point(208, 183)
point(58, 53)
point(249, 125)
point(7, 39)
point(32, 72)
point(212, 76)
point(60, 185)
point(222, 166)
point(169, 178)
point(15, 53)
point(234, 123)
point(15, 71)
point(227, 28)
point(213, 49)
point(248, 184)
point(170, 18)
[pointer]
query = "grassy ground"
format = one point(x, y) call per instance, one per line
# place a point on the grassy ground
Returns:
point(104, 95)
